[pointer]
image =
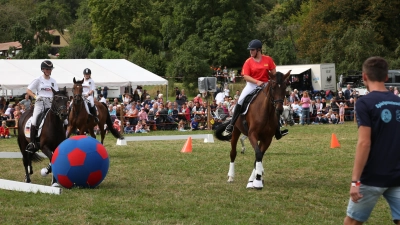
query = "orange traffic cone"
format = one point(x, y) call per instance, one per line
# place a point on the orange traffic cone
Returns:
point(334, 142)
point(188, 146)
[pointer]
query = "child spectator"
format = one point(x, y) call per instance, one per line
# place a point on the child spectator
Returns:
point(17, 114)
point(128, 129)
point(4, 131)
point(181, 126)
point(139, 127)
point(146, 127)
point(341, 113)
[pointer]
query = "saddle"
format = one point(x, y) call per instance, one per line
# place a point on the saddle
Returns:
point(40, 120)
point(249, 99)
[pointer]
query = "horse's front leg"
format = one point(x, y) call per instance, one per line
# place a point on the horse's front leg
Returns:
point(69, 129)
point(47, 170)
point(234, 140)
point(258, 167)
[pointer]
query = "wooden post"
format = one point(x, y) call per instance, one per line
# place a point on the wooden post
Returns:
point(122, 119)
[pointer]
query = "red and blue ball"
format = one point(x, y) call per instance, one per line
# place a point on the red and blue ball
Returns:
point(80, 161)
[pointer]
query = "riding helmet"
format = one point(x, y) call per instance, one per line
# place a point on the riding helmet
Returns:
point(46, 64)
point(254, 44)
point(87, 71)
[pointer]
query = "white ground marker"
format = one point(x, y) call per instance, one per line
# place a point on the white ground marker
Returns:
point(27, 187)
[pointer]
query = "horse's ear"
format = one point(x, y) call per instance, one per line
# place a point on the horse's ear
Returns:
point(287, 75)
point(74, 80)
point(65, 89)
point(82, 80)
point(54, 91)
point(271, 76)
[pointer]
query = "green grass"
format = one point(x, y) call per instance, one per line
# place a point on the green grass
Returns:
point(306, 182)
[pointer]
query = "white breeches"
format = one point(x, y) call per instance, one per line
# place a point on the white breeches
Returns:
point(91, 100)
point(246, 90)
point(40, 105)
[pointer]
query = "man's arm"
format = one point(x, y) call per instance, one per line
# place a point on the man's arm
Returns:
point(362, 152)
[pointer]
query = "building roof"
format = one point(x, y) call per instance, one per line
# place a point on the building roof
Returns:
point(5, 46)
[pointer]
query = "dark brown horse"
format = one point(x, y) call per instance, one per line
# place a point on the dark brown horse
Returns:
point(79, 118)
point(52, 134)
point(261, 124)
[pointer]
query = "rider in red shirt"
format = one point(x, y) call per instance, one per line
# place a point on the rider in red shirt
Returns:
point(255, 72)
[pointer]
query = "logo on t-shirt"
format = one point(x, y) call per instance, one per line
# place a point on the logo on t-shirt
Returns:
point(398, 115)
point(386, 115)
point(52, 84)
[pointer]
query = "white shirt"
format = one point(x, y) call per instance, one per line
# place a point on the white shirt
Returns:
point(88, 85)
point(103, 100)
point(43, 86)
point(220, 97)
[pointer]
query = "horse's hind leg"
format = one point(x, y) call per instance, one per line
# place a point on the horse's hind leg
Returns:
point(242, 138)
point(28, 167)
point(102, 132)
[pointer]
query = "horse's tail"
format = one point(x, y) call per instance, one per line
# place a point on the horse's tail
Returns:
point(220, 129)
point(109, 123)
point(35, 157)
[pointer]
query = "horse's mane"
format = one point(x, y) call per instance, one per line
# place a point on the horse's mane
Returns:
point(279, 77)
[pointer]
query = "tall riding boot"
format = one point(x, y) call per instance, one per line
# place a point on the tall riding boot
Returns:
point(33, 146)
point(236, 114)
point(94, 114)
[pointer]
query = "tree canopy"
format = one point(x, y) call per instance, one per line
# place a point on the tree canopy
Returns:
point(175, 38)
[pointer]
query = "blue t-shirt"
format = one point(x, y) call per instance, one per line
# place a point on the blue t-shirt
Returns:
point(195, 124)
point(381, 112)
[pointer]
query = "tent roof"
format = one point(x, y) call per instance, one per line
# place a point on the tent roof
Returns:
point(16, 74)
point(295, 70)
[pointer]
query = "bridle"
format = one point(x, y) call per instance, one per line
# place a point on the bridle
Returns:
point(62, 108)
point(270, 87)
point(77, 97)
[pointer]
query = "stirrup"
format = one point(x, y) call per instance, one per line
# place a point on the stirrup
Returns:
point(228, 130)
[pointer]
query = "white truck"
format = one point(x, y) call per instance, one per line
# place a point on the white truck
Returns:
point(311, 76)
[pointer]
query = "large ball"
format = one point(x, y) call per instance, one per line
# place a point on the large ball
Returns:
point(80, 161)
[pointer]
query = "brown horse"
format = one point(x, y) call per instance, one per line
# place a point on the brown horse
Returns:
point(52, 134)
point(260, 124)
point(78, 116)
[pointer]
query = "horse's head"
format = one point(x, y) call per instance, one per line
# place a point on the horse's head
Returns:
point(77, 91)
point(278, 89)
point(59, 104)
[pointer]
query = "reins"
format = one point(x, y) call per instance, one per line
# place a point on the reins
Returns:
point(269, 94)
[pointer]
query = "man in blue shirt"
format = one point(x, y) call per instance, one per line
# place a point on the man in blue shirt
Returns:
point(376, 170)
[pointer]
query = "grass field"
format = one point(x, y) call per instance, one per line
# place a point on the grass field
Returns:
point(306, 182)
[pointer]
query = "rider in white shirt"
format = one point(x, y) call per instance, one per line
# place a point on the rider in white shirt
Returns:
point(88, 90)
point(43, 94)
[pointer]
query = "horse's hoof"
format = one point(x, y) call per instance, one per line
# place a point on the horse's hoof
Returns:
point(250, 185)
point(258, 184)
point(230, 179)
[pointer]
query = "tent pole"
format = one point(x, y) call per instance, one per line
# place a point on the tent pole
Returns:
point(167, 91)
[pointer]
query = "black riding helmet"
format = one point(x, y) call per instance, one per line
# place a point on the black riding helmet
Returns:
point(46, 64)
point(254, 44)
point(87, 71)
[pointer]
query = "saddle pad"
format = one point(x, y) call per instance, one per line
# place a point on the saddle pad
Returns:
point(27, 128)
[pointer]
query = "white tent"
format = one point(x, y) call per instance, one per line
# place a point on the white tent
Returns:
point(17, 74)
